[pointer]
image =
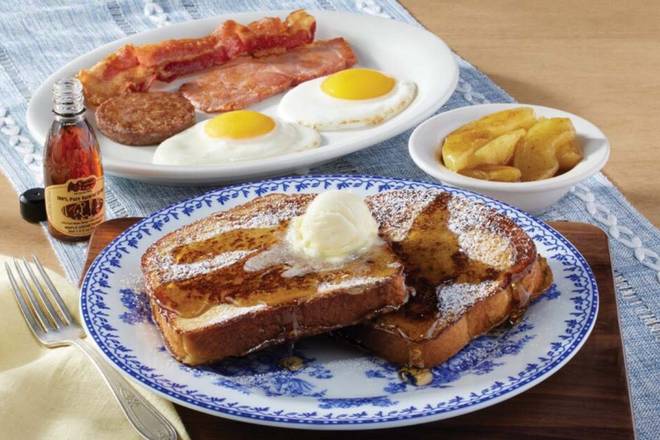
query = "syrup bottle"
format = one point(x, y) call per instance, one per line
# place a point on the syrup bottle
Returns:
point(73, 175)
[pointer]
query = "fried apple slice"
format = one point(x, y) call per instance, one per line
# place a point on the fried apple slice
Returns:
point(499, 151)
point(502, 122)
point(457, 148)
point(569, 154)
point(536, 154)
point(499, 173)
point(460, 144)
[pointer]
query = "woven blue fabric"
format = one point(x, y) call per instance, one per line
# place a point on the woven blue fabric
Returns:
point(36, 38)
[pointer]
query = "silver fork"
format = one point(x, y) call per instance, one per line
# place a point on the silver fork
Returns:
point(53, 326)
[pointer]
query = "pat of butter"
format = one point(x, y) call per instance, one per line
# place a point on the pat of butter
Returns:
point(336, 227)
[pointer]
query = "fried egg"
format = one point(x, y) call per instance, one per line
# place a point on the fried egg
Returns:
point(350, 98)
point(235, 136)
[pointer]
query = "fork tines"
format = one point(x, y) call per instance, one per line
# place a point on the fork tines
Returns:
point(39, 310)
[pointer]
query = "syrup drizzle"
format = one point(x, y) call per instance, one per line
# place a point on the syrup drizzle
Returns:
point(250, 263)
point(453, 251)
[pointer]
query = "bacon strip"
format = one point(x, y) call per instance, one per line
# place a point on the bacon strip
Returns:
point(134, 68)
point(118, 73)
point(247, 80)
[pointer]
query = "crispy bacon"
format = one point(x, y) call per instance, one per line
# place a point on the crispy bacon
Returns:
point(124, 59)
point(247, 80)
point(118, 73)
point(134, 68)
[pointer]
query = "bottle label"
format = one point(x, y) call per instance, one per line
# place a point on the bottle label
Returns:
point(75, 208)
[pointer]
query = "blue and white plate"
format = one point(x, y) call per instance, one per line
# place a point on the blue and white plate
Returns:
point(338, 387)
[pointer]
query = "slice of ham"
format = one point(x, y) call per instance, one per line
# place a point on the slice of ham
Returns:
point(247, 80)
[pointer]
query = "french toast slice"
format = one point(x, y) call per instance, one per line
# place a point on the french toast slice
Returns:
point(471, 269)
point(225, 286)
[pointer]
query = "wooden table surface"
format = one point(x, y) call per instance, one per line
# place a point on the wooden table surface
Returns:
point(599, 59)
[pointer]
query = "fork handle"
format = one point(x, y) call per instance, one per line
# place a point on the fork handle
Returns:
point(146, 419)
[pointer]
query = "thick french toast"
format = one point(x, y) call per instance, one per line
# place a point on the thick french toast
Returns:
point(225, 285)
point(471, 269)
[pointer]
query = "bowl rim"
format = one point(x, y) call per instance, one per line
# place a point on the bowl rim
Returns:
point(416, 147)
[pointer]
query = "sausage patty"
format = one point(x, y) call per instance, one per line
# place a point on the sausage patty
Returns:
point(144, 118)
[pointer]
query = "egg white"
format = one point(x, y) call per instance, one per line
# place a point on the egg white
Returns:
point(308, 105)
point(194, 147)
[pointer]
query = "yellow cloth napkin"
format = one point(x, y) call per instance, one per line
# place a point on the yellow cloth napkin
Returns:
point(56, 393)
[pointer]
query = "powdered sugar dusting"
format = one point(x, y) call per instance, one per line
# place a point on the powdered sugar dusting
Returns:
point(178, 272)
point(479, 235)
point(277, 211)
point(454, 299)
point(264, 212)
point(396, 211)
point(217, 314)
point(281, 254)
point(348, 283)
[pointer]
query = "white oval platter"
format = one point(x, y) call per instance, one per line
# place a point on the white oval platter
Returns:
point(401, 50)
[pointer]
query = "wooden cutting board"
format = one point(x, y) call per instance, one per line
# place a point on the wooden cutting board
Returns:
point(588, 398)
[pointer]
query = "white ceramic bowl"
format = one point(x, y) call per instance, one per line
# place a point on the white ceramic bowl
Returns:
point(535, 197)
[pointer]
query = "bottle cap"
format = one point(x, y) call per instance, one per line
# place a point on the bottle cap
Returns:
point(33, 205)
point(68, 98)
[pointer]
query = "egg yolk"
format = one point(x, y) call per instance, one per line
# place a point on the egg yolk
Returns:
point(357, 84)
point(239, 124)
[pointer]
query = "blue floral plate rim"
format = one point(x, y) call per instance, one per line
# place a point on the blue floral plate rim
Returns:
point(100, 328)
